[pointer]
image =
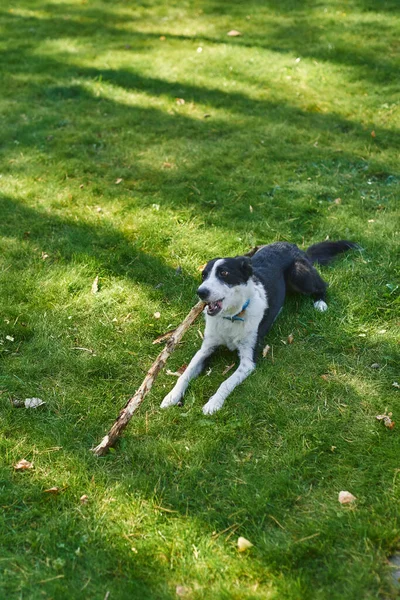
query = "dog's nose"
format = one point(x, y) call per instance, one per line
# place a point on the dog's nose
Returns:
point(203, 293)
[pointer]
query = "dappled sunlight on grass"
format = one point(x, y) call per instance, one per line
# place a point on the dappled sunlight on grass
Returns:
point(138, 141)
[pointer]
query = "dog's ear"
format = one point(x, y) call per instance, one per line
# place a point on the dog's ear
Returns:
point(246, 266)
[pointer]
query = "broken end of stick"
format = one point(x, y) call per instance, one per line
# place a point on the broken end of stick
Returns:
point(103, 447)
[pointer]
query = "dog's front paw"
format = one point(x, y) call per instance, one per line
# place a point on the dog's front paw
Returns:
point(212, 406)
point(170, 400)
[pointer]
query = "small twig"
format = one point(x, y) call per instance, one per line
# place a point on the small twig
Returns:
point(216, 535)
point(309, 537)
point(277, 522)
point(80, 348)
point(168, 510)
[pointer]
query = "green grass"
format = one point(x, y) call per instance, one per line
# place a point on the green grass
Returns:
point(104, 173)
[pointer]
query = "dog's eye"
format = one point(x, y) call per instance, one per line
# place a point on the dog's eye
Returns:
point(224, 273)
point(203, 275)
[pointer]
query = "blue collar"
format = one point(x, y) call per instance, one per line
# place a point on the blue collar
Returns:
point(238, 317)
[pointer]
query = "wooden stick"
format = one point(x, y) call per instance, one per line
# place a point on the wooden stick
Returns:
point(133, 404)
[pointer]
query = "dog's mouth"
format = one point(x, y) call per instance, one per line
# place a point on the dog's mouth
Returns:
point(213, 308)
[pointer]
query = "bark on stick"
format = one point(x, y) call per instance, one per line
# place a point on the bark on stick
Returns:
point(133, 404)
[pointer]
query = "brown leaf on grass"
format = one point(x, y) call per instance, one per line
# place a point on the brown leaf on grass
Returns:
point(182, 369)
point(84, 499)
point(338, 201)
point(167, 165)
point(118, 181)
point(265, 351)
point(243, 544)
point(44, 255)
point(180, 101)
point(233, 33)
point(387, 420)
point(157, 315)
point(251, 208)
point(325, 377)
point(201, 267)
point(181, 591)
point(290, 338)
point(95, 285)
point(52, 490)
point(162, 38)
point(346, 497)
point(23, 465)
point(373, 134)
point(228, 368)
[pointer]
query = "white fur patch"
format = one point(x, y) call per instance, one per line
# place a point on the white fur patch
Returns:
point(236, 335)
point(321, 305)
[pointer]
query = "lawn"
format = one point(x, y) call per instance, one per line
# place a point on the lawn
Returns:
point(137, 141)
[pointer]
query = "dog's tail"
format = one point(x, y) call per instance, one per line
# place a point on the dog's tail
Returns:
point(324, 252)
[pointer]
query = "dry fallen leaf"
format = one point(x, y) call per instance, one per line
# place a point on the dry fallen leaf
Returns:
point(290, 338)
point(181, 591)
point(228, 368)
point(266, 350)
point(346, 498)
point(95, 285)
point(157, 315)
point(52, 490)
point(162, 38)
point(243, 544)
point(44, 255)
point(23, 465)
point(180, 101)
point(167, 165)
point(33, 402)
point(84, 499)
point(9, 338)
point(251, 208)
point(387, 421)
point(373, 134)
point(338, 201)
point(233, 33)
point(118, 181)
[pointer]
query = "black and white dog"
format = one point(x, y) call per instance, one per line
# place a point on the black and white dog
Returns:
point(244, 296)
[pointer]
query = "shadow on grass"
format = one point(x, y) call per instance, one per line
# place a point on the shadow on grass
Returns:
point(68, 240)
point(339, 41)
point(217, 481)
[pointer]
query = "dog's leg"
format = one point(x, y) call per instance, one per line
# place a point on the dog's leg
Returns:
point(244, 369)
point(193, 369)
point(304, 278)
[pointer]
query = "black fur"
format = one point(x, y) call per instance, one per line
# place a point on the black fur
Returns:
point(283, 267)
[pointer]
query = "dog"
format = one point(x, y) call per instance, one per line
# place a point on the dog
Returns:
point(244, 296)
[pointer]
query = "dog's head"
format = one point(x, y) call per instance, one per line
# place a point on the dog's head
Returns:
point(224, 283)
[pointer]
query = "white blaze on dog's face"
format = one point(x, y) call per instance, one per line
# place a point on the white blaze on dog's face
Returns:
point(225, 282)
